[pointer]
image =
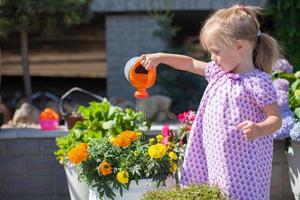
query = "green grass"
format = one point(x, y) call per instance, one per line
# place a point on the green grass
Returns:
point(203, 192)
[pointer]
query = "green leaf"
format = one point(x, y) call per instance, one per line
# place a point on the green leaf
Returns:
point(295, 85)
point(297, 112)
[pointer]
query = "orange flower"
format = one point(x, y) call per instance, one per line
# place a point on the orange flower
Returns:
point(78, 154)
point(48, 113)
point(130, 134)
point(105, 168)
point(124, 139)
point(121, 141)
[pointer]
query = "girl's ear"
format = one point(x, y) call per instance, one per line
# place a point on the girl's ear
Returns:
point(239, 44)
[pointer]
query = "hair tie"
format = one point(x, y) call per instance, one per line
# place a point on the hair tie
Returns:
point(258, 33)
point(241, 7)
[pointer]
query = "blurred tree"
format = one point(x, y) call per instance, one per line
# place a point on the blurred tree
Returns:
point(286, 17)
point(42, 16)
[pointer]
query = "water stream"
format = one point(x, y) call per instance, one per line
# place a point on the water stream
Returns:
point(140, 106)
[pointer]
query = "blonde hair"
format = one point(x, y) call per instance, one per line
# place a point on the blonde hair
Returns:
point(240, 22)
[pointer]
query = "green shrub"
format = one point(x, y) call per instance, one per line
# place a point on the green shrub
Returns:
point(203, 192)
point(285, 15)
point(100, 119)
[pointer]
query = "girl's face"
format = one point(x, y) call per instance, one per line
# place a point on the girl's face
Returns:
point(226, 57)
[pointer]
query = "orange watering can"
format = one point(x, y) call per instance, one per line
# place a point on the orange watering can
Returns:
point(139, 77)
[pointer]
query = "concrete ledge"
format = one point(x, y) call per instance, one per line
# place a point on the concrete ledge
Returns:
point(13, 133)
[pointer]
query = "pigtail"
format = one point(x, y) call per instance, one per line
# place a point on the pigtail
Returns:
point(266, 52)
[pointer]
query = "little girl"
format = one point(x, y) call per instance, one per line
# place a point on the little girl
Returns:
point(230, 143)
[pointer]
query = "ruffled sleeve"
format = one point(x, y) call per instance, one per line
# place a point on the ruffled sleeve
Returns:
point(263, 90)
point(211, 70)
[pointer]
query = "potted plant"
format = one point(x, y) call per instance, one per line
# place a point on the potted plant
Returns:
point(100, 119)
point(287, 85)
point(126, 165)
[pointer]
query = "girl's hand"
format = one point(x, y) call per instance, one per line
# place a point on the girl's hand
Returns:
point(250, 129)
point(150, 61)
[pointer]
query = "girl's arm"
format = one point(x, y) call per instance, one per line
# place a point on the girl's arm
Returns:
point(176, 61)
point(271, 124)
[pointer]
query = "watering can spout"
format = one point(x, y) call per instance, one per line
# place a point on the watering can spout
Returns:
point(139, 77)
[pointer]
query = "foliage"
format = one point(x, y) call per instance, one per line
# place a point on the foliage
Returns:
point(45, 16)
point(293, 91)
point(203, 192)
point(113, 162)
point(286, 19)
point(100, 119)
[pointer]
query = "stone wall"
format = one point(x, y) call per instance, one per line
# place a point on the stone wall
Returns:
point(127, 36)
point(29, 170)
point(28, 167)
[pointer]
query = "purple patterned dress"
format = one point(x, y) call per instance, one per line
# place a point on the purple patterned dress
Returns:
point(217, 151)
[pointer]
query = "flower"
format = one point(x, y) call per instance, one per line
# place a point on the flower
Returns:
point(78, 154)
point(105, 168)
point(288, 92)
point(176, 139)
point(47, 114)
point(166, 130)
point(123, 177)
point(282, 65)
point(159, 138)
point(173, 155)
point(173, 168)
point(124, 139)
point(295, 132)
point(181, 117)
point(157, 151)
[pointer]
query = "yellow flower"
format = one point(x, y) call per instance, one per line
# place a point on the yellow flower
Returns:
point(173, 155)
point(159, 138)
point(151, 141)
point(78, 154)
point(157, 150)
point(105, 168)
point(122, 177)
point(173, 168)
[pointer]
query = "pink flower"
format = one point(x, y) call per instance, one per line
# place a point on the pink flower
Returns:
point(165, 140)
point(166, 130)
point(181, 117)
point(189, 128)
point(191, 116)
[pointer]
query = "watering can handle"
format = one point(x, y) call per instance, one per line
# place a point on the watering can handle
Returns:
point(73, 90)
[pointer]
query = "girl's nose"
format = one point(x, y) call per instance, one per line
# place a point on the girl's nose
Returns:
point(213, 58)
